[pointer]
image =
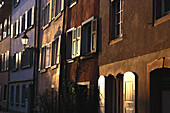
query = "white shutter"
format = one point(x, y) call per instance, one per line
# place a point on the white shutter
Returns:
point(17, 27)
point(9, 25)
point(50, 12)
point(16, 60)
point(26, 19)
point(74, 43)
point(78, 45)
point(101, 87)
point(12, 27)
point(32, 20)
point(129, 93)
point(93, 35)
point(20, 27)
point(47, 56)
point(58, 50)
point(5, 28)
point(7, 60)
point(19, 59)
point(40, 60)
point(62, 5)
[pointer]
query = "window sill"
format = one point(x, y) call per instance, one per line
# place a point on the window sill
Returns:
point(24, 67)
point(43, 70)
point(86, 57)
point(73, 3)
point(115, 40)
point(54, 66)
point(162, 20)
point(58, 16)
point(70, 60)
point(13, 70)
point(16, 36)
point(30, 27)
point(46, 26)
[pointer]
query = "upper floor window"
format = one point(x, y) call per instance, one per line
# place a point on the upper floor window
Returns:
point(50, 54)
point(16, 2)
point(46, 15)
point(115, 19)
point(4, 61)
point(27, 58)
point(15, 61)
point(162, 8)
point(82, 40)
point(5, 28)
point(1, 32)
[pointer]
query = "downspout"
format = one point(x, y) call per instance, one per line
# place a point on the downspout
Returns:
point(36, 49)
point(62, 76)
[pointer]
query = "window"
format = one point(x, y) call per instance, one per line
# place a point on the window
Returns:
point(5, 28)
point(162, 8)
point(16, 28)
point(4, 63)
point(12, 94)
point(23, 23)
point(48, 55)
point(30, 20)
point(9, 25)
point(115, 19)
point(15, 61)
point(46, 15)
point(42, 58)
point(5, 92)
point(27, 58)
point(55, 51)
point(23, 94)
point(58, 7)
point(17, 95)
point(16, 2)
point(1, 32)
point(89, 37)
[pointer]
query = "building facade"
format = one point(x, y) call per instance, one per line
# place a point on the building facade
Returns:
point(5, 23)
point(81, 52)
point(134, 56)
point(22, 58)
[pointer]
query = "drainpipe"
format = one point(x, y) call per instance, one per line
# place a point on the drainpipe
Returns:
point(63, 74)
point(36, 49)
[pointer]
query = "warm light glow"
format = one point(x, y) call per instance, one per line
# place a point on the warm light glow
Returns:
point(101, 86)
point(129, 76)
point(24, 40)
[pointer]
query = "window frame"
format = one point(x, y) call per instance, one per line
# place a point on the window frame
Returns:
point(16, 4)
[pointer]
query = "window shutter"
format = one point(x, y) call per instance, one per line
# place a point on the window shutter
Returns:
point(0, 32)
point(40, 60)
point(58, 50)
point(47, 56)
point(74, 43)
point(7, 60)
point(17, 27)
point(19, 59)
point(50, 11)
point(32, 20)
point(16, 60)
point(50, 53)
point(9, 25)
point(62, 5)
point(2, 63)
point(43, 20)
point(93, 35)
point(78, 41)
point(20, 30)
point(5, 28)
point(129, 93)
point(12, 30)
point(26, 19)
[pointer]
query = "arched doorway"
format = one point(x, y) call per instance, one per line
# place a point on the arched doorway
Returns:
point(160, 90)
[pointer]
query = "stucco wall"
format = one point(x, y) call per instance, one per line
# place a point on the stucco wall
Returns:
point(139, 36)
